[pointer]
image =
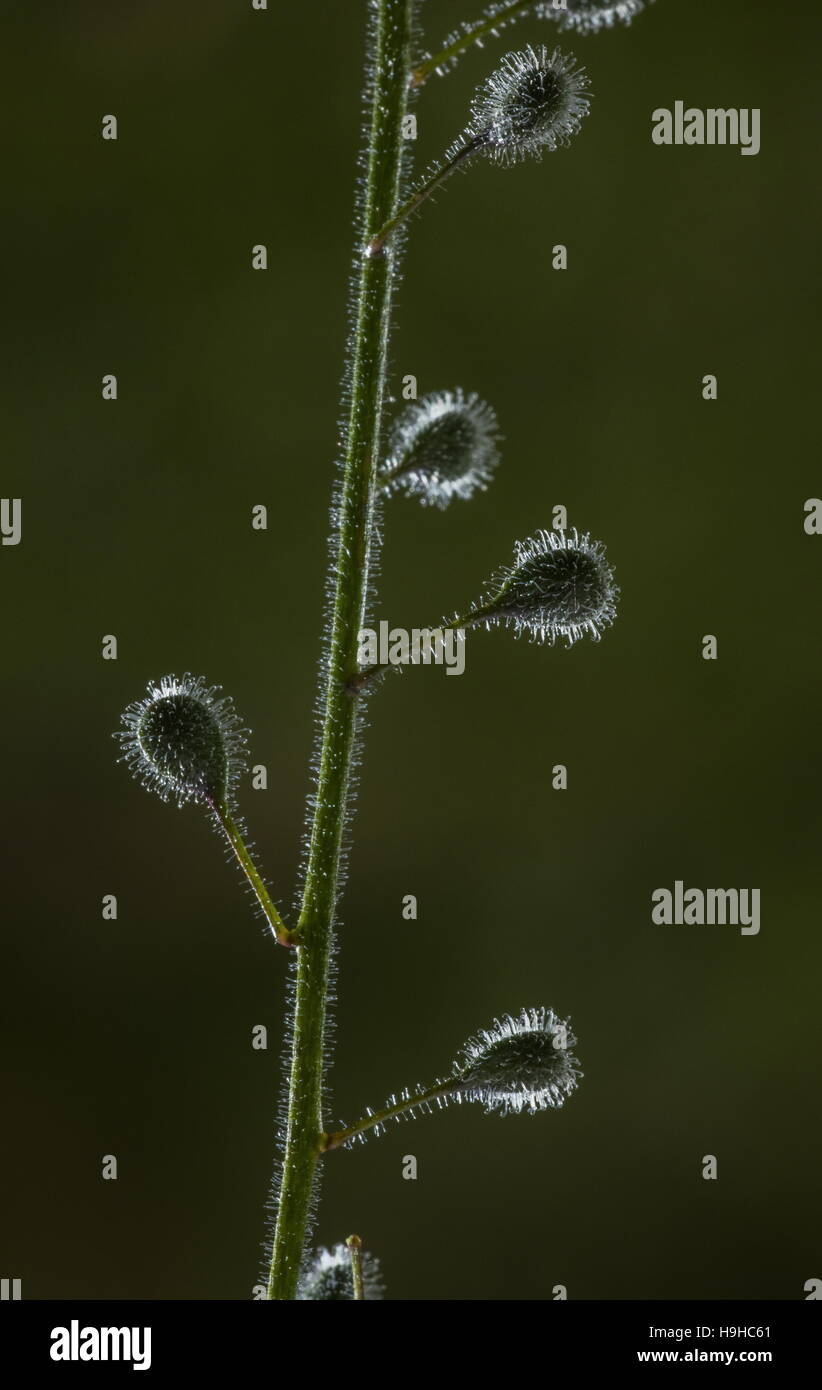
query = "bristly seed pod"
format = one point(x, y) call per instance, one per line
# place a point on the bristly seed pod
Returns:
point(327, 1278)
point(584, 16)
point(517, 1064)
point(521, 1063)
point(441, 447)
point(534, 101)
point(183, 741)
point(587, 16)
point(560, 585)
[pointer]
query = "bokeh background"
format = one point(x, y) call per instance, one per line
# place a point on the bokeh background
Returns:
point(134, 1037)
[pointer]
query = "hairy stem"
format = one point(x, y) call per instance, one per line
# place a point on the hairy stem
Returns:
point(475, 32)
point(284, 935)
point(377, 243)
point(389, 55)
point(365, 675)
point(355, 1251)
point(391, 1112)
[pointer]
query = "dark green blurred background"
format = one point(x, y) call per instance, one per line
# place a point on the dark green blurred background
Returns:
point(133, 1037)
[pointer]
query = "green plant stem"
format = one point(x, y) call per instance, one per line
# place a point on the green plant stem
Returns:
point(377, 243)
point(391, 1112)
point(389, 59)
point(474, 33)
point(366, 674)
point(284, 935)
point(355, 1250)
